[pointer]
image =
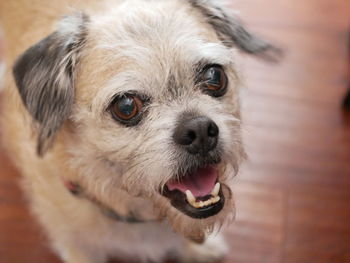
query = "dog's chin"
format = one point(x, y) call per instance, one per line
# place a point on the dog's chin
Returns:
point(197, 194)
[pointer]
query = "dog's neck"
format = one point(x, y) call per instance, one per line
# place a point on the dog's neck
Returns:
point(76, 190)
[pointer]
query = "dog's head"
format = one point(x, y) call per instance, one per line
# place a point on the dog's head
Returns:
point(146, 97)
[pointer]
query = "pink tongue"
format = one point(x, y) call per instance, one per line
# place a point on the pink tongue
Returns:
point(200, 183)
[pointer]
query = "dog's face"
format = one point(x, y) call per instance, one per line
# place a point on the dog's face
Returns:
point(149, 98)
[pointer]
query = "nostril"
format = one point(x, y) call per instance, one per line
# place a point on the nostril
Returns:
point(213, 129)
point(191, 135)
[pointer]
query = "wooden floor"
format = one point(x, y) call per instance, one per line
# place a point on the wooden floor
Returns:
point(293, 194)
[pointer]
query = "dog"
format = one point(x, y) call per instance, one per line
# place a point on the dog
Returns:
point(123, 117)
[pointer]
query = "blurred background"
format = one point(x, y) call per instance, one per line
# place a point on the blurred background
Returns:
point(293, 193)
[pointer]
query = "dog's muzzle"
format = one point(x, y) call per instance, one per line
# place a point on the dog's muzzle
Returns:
point(197, 193)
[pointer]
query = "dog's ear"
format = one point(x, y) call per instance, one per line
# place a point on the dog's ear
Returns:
point(231, 31)
point(44, 75)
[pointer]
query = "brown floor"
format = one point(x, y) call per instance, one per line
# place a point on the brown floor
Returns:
point(293, 194)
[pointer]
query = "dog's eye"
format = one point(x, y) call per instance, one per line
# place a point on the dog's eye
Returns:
point(214, 81)
point(126, 108)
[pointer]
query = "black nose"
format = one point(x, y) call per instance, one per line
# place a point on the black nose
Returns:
point(197, 135)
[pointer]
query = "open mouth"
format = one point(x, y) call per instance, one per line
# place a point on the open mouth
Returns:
point(197, 194)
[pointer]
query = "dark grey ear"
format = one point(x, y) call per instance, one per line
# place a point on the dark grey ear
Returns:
point(231, 31)
point(44, 75)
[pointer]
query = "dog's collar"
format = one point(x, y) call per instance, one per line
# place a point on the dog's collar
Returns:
point(76, 190)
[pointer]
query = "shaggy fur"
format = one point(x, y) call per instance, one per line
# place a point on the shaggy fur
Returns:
point(70, 59)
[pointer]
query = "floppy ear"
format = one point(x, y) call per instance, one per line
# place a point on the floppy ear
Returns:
point(231, 31)
point(44, 75)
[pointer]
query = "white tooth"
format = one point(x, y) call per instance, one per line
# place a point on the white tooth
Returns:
point(190, 198)
point(216, 189)
point(216, 199)
point(193, 204)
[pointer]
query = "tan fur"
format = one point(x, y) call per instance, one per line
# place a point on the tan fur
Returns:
point(87, 147)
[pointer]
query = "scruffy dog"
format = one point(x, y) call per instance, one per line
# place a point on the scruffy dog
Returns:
point(123, 117)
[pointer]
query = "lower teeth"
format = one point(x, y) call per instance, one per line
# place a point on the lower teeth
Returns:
point(213, 200)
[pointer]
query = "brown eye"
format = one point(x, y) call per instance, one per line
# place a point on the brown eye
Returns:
point(126, 109)
point(214, 81)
